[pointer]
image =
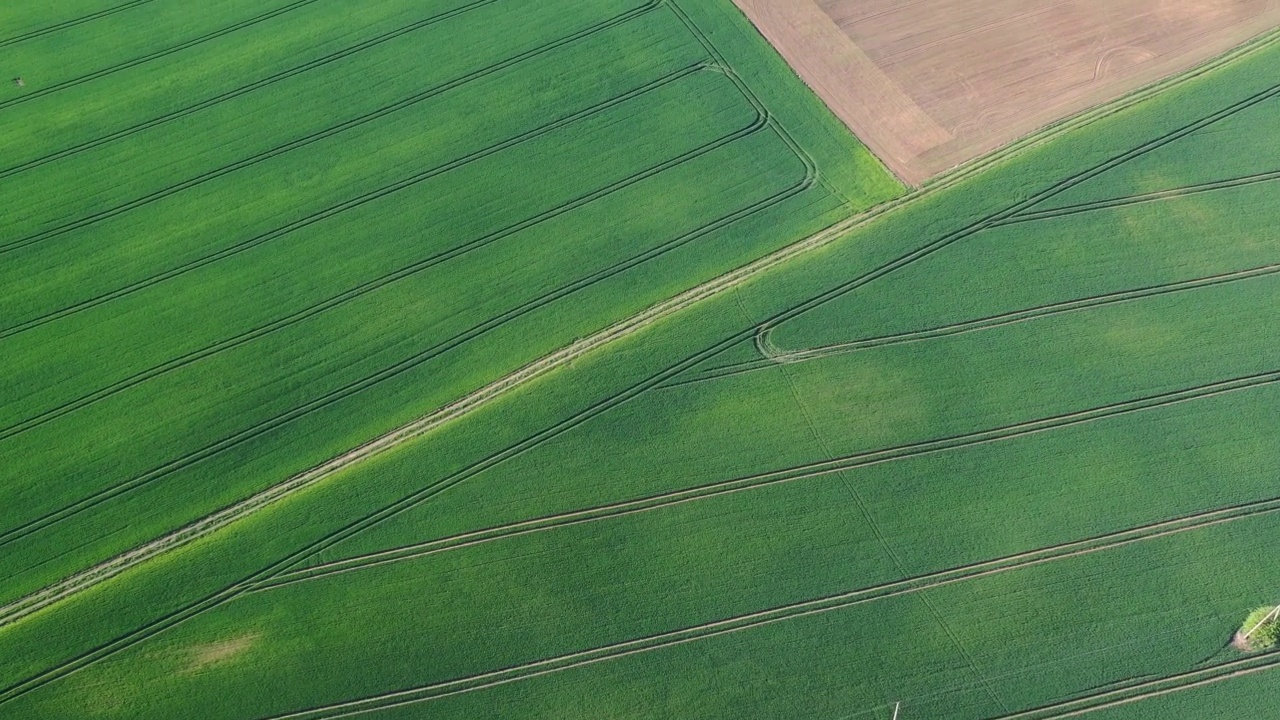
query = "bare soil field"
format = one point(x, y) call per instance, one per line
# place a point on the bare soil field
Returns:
point(929, 84)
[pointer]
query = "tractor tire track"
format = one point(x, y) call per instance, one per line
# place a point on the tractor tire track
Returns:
point(243, 89)
point(49, 29)
point(1146, 689)
point(1195, 521)
point(707, 491)
point(792, 611)
point(350, 389)
point(1127, 200)
point(185, 45)
point(1010, 318)
point(352, 293)
point(320, 135)
point(250, 243)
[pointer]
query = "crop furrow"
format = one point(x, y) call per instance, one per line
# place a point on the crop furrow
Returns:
point(1127, 200)
point(71, 23)
point(968, 326)
point(350, 294)
point(157, 54)
point(362, 384)
point(243, 89)
point(327, 133)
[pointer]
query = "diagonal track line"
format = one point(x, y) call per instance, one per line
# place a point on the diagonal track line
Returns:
point(1125, 201)
point(970, 326)
point(242, 90)
point(56, 27)
point(378, 377)
point(187, 44)
point(808, 471)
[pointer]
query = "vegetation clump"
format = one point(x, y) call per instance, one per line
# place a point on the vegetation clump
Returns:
point(1260, 630)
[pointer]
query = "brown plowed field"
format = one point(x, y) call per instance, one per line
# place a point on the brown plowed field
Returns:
point(928, 84)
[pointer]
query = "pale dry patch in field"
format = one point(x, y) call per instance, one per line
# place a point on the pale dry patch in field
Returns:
point(929, 84)
point(202, 657)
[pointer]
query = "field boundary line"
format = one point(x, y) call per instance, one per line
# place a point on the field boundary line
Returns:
point(48, 29)
point(765, 328)
point(1108, 108)
point(184, 45)
point(422, 426)
point(209, 102)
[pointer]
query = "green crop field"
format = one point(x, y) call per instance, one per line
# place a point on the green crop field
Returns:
point(1006, 449)
point(238, 240)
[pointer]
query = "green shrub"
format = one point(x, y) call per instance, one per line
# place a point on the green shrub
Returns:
point(1265, 637)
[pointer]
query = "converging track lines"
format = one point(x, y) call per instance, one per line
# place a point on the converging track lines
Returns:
point(805, 608)
point(1169, 194)
point(243, 89)
point(991, 220)
point(610, 511)
point(187, 44)
point(319, 135)
point(773, 359)
point(49, 29)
